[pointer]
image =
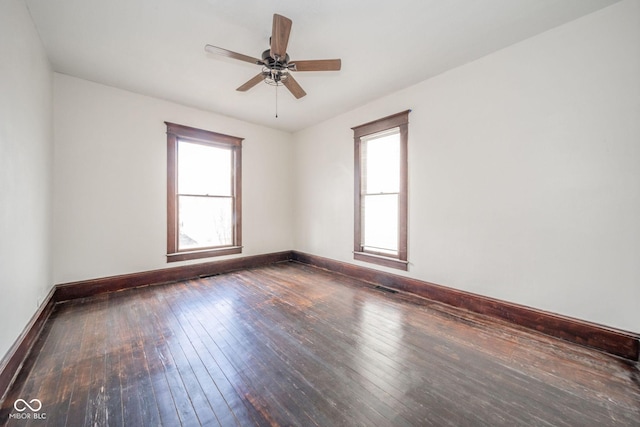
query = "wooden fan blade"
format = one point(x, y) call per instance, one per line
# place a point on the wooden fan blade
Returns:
point(317, 65)
point(251, 83)
point(280, 36)
point(229, 54)
point(294, 87)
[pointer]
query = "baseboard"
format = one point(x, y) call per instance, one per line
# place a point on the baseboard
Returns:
point(12, 362)
point(617, 342)
point(620, 343)
point(89, 288)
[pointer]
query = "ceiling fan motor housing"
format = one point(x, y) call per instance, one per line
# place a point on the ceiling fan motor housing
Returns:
point(272, 63)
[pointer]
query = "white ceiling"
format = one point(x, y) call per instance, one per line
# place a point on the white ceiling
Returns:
point(156, 47)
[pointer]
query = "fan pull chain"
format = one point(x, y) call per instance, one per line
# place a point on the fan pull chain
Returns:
point(276, 101)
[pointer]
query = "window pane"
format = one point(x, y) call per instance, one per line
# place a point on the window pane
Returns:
point(204, 222)
point(381, 161)
point(380, 223)
point(204, 169)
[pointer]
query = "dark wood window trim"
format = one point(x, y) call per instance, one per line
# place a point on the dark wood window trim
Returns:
point(401, 121)
point(174, 133)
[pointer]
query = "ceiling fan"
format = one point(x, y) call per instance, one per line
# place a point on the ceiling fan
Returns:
point(275, 62)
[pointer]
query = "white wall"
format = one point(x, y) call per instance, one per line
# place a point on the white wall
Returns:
point(25, 171)
point(110, 180)
point(524, 173)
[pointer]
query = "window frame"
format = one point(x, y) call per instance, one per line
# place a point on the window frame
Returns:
point(400, 121)
point(176, 132)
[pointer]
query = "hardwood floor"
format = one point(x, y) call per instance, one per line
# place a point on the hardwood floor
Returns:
point(289, 344)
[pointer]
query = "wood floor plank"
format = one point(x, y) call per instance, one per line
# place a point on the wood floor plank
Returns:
point(290, 344)
point(195, 378)
point(152, 337)
point(44, 374)
point(112, 409)
point(371, 408)
point(224, 376)
point(65, 362)
point(96, 412)
point(241, 348)
point(87, 352)
point(548, 391)
point(135, 410)
point(373, 371)
point(180, 395)
point(141, 371)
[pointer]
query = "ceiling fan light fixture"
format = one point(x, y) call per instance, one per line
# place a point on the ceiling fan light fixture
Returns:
point(275, 77)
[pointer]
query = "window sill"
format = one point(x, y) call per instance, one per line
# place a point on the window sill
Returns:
point(382, 260)
point(204, 253)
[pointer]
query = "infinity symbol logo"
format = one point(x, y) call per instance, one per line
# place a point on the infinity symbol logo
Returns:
point(35, 408)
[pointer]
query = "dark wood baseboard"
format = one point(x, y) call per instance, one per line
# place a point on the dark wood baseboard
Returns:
point(11, 364)
point(89, 288)
point(620, 343)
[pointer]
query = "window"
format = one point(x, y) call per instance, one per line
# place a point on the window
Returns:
point(381, 191)
point(203, 193)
